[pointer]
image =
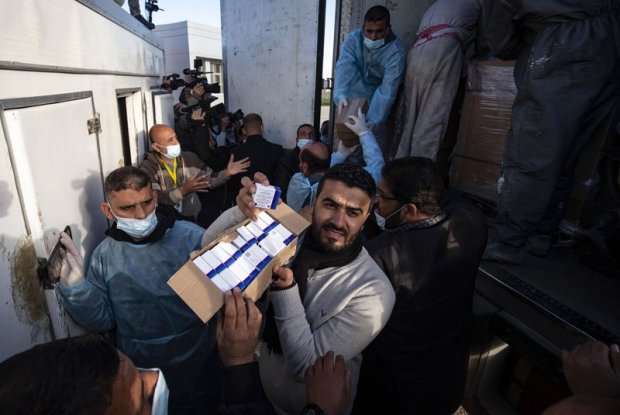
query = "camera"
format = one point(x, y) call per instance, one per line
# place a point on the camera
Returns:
point(236, 116)
point(173, 81)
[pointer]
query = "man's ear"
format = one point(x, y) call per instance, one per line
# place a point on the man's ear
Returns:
point(155, 196)
point(105, 208)
point(410, 212)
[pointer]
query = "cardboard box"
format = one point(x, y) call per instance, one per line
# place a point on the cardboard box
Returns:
point(475, 177)
point(487, 110)
point(348, 137)
point(485, 121)
point(204, 297)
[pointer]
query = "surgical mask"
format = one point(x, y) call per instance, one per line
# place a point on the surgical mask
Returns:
point(160, 394)
point(173, 151)
point(373, 44)
point(381, 220)
point(137, 228)
point(302, 142)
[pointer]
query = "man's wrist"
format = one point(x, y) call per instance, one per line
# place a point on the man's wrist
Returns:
point(276, 287)
point(239, 360)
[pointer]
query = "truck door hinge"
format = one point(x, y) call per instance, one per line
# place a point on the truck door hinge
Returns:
point(94, 125)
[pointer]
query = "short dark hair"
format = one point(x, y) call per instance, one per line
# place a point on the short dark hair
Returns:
point(315, 163)
point(128, 177)
point(352, 176)
point(376, 14)
point(415, 180)
point(305, 125)
point(252, 120)
point(325, 128)
point(74, 375)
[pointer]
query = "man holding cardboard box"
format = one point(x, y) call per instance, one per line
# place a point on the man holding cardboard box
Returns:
point(125, 290)
point(334, 296)
point(371, 66)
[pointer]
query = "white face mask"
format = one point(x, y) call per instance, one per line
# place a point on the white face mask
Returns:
point(172, 151)
point(160, 394)
point(373, 44)
point(302, 142)
point(136, 228)
point(381, 220)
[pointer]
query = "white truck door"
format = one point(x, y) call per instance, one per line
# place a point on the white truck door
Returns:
point(163, 104)
point(57, 176)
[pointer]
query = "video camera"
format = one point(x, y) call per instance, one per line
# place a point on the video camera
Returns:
point(236, 116)
point(173, 82)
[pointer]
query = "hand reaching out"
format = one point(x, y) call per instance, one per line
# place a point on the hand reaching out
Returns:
point(72, 270)
point(237, 329)
point(592, 368)
point(328, 384)
point(197, 183)
point(236, 167)
point(357, 124)
point(245, 198)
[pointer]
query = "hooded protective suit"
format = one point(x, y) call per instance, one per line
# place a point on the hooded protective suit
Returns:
point(371, 74)
point(568, 79)
point(434, 68)
point(125, 289)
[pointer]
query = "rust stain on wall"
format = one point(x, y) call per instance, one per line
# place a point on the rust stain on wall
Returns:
point(28, 297)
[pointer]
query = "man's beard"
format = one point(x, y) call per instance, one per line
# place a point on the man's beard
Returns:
point(328, 246)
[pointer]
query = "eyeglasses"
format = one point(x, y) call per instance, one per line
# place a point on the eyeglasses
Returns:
point(381, 194)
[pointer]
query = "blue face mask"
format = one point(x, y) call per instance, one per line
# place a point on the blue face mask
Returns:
point(381, 221)
point(160, 396)
point(136, 228)
point(302, 142)
point(159, 404)
point(373, 44)
point(173, 151)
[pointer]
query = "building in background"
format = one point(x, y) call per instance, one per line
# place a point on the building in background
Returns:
point(185, 41)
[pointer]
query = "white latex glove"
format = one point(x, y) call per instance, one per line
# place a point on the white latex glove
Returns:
point(72, 271)
point(341, 104)
point(344, 151)
point(357, 124)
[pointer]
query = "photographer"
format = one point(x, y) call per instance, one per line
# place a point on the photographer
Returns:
point(225, 130)
point(202, 140)
point(178, 177)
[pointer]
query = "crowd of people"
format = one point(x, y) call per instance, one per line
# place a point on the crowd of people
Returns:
point(374, 313)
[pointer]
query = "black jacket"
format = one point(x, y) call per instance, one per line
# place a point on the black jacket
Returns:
point(288, 165)
point(264, 156)
point(418, 363)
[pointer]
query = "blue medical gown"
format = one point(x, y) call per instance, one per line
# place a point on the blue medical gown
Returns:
point(125, 289)
point(301, 192)
point(372, 74)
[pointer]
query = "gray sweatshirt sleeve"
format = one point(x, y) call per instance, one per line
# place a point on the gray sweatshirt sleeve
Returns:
point(347, 332)
point(223, 222)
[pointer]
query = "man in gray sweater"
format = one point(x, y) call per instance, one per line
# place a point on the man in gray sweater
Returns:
point(334, 296)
